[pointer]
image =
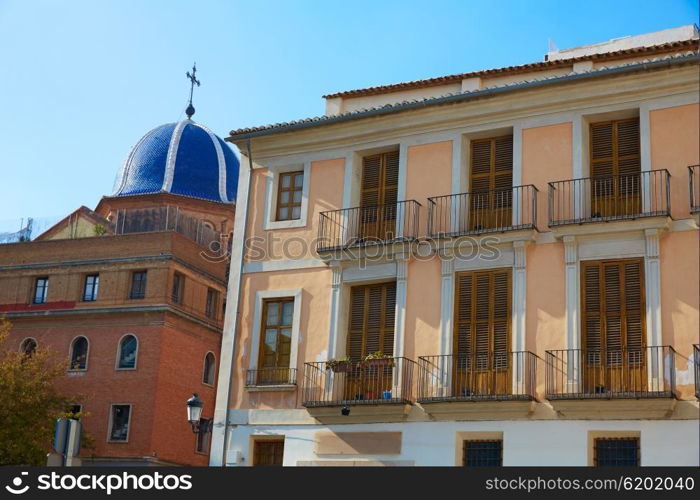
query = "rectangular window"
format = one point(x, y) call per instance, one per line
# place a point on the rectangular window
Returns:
point(212, 303)
point(138, 285)
point(483, 453)
point(92, 283)
point(491, 183)
point(481, 339)
point(621, 452)
point(613, 326)
point(289, 191)
point(41, 290)
point(120, 417)
point(275, 340)
point(378, 196)
point(203, 438)
point(178, 288)
point(615, 168)
point(268, 452)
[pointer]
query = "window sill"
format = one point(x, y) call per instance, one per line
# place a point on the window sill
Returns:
point(109, 441)
point(285, 224)
point(271, 388)
point(207, 384)
point(125, 369)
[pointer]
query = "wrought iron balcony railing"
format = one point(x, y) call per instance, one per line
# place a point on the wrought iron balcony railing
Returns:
point(477, 377)
point(647, 372)
point(271, 376)
point(694, 184)
point(596, 199)
point(493, 211)
point(368, 225)
point(379, 381)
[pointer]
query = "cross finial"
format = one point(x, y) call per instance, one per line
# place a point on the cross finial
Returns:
point(193, 80)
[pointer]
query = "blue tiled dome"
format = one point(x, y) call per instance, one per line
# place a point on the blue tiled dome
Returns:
point(183, 158)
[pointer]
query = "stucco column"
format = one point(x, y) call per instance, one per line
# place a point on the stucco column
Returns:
point(400, 318)
point(645, 161)
point(446, 309)
point(652, 285)
point(573, 337)
point(518, 313)
point(334, 311)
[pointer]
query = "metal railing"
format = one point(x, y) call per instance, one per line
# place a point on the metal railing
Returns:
point(694, 184)
point(647, 372)
point(368, 225)
point(168, 218)
point(596, 199)
point(492, 211)
point(477, 377)
point(373, 382)
point(696, 363)
point(271, 376)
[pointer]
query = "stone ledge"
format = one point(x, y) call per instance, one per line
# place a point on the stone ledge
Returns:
point(480, 410)
point(615, 409)
point(366, 413)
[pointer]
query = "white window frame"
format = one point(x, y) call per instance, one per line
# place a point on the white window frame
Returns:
point(128, 425)
point(257, 324)
point(270, 221)
point(70, 354)
point(119, 352)
point(204, 368)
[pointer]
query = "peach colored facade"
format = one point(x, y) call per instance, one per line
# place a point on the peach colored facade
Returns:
point(543, 253)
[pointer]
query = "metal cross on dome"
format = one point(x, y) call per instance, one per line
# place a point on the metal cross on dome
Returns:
point(191, 77)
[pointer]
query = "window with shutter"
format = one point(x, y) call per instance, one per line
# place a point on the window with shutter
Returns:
point(615, 168)
point(267, 452)
point(613, 325)
point(491, 183)
point(482, 333)
point(371, 329)
point(378, 197)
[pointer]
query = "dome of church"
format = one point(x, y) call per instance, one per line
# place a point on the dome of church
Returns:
point(183, 158)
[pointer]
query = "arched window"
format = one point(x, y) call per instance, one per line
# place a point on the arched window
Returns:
point(28, 346)
point(79, 354)
point(209, 369)
point(128, 348)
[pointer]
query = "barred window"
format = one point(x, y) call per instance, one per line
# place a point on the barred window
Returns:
point(483, 453)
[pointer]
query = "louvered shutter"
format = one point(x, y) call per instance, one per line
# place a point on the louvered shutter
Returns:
point(491, 182)
point(372, 311)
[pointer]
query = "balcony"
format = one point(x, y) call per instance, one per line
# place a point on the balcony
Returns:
point(374, 390)
point(493, 211)
point(610, 198)
point(478, 386)
point(369, 225)
point(622, 383)
point(694, 173)
point(696, 363)
point(271, 379)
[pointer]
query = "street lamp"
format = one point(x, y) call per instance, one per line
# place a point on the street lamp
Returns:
point(194, 413)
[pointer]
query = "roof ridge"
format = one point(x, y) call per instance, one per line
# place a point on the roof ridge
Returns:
point(441, 80)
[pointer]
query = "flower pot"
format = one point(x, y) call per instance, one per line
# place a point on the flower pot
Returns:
point(386, 395)
point(340, 367)
point(379, 362)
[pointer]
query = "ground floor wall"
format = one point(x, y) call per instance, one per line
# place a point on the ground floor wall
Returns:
point(557, 442)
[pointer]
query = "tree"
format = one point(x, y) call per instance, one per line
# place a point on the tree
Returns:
point(29, 402)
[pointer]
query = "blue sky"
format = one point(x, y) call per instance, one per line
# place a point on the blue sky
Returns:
point(84, 80)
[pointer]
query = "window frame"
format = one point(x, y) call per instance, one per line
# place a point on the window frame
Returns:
point(258, 440)
point(71, 348)
point(95, 288)
point(292, 189)
point(204, 369)
point(119, 352)
point(255, 339)
point(211, 306)
point(638, 457)
point(24, 341)
point(177, 291)
point(201, 436)
point(270, 221)
point(465, 443)
point(144, 281)
point(44, 288)
point(110, 426)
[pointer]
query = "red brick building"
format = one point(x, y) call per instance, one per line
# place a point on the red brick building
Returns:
point(132, 294)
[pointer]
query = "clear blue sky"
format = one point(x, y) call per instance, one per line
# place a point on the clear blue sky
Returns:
point(84, 80)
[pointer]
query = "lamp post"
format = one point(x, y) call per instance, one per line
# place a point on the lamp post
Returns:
point(194, 414)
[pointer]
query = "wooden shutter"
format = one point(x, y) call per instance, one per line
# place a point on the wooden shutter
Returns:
point(372, 311)
point(268, 452)
point(483, 313)
point(380, 179)
point(613, 305)
point(615, 151)
point(491, 164)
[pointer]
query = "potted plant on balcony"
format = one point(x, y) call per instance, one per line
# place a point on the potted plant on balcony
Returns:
point(342, 365)
point(378, 358)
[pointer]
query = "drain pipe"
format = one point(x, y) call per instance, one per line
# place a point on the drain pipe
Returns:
point(220, 431)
